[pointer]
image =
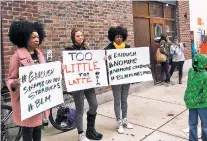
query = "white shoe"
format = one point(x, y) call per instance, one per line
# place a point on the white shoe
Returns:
point(127, 124)
point(120, 128)
point(82, 137)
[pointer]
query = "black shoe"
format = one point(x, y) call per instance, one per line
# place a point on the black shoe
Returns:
point(91, 131)
point(93, 135)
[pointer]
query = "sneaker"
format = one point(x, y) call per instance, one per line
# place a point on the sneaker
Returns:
point(82, 137)
point(127, 124)
point(120, 128)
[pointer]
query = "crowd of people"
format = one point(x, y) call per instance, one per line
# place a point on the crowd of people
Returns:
point(28, 36)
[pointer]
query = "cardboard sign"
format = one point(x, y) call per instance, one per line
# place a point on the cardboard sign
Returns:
point(84, 69)
point(128, 65)
point(41, 88)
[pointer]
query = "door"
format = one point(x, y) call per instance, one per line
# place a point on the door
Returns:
point(141, 32)
point(157, 28)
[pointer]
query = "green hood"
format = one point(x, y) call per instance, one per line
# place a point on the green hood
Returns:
point(199, 62)
point(196, 92)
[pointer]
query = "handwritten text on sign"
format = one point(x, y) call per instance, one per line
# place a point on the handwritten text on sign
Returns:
point(84, 69)
point(41, 88)
point(128, 65)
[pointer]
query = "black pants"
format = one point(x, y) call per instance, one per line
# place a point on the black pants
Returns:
point(180, 68)
point(31, 133)
point(164, 70)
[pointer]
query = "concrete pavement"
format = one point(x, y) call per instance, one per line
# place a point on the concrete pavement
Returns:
point(147, 111)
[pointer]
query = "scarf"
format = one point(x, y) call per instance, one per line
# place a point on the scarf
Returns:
point(122, 45)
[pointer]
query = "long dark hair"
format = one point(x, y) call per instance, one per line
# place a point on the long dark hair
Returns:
point(163, 37)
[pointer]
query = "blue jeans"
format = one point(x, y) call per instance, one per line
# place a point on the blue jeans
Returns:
point(193, 123)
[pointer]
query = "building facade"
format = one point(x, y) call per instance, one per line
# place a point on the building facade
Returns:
point(145, 21)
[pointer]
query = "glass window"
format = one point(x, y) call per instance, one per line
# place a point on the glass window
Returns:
point(158, 30)
point(156, 10)
point(169, 12)
point(170, 28)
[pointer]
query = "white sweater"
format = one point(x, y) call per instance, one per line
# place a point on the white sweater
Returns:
point(177, 52)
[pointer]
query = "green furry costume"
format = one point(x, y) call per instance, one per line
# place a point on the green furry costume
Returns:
point(196, 92)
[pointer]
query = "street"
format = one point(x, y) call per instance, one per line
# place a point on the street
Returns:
point(148, 112)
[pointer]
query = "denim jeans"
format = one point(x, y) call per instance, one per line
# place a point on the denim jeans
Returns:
point(193, 123)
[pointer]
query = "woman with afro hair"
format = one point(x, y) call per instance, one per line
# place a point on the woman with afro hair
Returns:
point(117, 36)
point(27, 36)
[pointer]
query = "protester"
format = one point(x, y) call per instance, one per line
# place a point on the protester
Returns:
point(79, 43)
point(177, 51)
point(164, 49)
point(27, 36)
point(196, 97)
point(117, 36)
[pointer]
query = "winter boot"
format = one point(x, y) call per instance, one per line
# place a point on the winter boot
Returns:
point(91, 131)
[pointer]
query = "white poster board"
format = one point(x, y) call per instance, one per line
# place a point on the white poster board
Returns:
point(41, 88)
point(128, 65)
point(84, 69)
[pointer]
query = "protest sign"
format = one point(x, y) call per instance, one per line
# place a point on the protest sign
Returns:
point(84, 69)
point(128, 65)
point(41, 88)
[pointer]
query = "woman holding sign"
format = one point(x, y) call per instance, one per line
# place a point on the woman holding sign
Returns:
point(27, 36)
point(117, 36)
point(79, 44)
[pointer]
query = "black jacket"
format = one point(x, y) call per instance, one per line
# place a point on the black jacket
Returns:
point(77, 47)
point(111, 46)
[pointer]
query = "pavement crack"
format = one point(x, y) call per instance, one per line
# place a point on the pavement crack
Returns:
point(158, 100)
point(164, 125)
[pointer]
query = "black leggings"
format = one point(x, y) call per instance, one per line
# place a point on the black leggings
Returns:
point(31, 133)
point(180, 68)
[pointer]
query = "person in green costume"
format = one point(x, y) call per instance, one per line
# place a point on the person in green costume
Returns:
point(196, 97)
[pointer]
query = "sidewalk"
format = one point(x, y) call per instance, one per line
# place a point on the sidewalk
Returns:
point(147, 111)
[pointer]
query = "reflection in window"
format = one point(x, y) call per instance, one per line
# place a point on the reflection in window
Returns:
point(170, 28)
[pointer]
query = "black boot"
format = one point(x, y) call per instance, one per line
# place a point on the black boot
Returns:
point(91, 131)
point(180, 79)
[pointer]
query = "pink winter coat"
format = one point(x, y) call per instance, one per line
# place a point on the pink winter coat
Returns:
point(22, 58)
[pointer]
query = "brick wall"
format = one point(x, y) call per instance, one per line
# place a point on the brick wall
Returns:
point(13, 10)
point(92, 17)
point(183, 25)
